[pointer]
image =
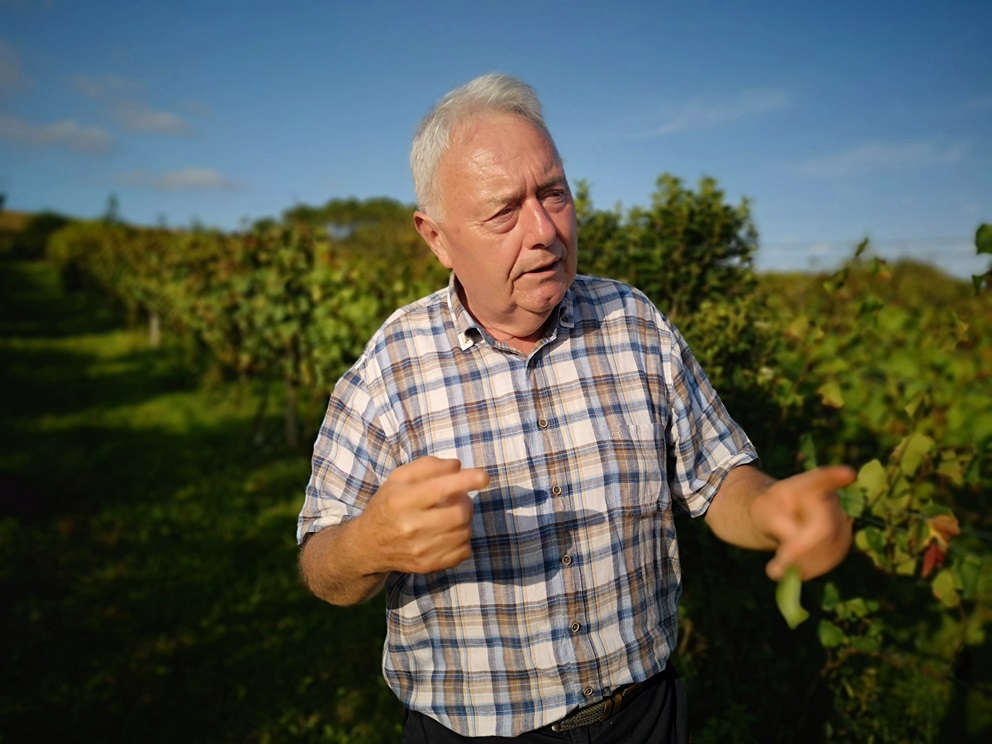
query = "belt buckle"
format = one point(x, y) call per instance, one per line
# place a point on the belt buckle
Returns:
point(595, 713)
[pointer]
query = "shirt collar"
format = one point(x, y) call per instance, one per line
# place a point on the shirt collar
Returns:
point(470, 332)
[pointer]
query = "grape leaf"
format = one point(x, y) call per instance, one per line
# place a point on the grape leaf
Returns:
point(831, 395)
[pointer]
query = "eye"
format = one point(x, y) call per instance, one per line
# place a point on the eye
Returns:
point(503, 214)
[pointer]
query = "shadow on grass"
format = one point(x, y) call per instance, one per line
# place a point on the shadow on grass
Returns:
point(180, 617)
point(33, 303)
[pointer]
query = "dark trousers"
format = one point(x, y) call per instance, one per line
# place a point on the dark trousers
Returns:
point(658, 714)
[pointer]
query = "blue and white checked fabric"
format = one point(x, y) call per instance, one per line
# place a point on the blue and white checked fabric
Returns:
point(591, 442)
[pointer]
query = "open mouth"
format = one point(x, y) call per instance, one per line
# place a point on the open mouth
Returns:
point(553, 266)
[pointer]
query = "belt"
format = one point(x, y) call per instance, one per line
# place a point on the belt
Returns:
point(598, 712)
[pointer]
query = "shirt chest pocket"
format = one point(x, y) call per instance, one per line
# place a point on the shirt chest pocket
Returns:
point(633, 463)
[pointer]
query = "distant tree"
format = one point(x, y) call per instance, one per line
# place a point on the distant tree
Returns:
point(32, 242)
point(983, 245)
point(379, 233)
point(684, 248)
point(112, 213)
point(263, 224)
point(344, 218)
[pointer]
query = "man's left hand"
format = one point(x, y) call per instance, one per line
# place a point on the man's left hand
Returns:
point(804, 516)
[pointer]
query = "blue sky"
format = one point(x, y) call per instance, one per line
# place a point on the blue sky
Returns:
point(838, 120)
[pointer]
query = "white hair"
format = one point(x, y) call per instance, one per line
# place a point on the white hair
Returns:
point(488, 94)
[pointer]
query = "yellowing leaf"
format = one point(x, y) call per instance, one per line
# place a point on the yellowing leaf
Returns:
point(905, 567)
point(944, 589)
point(953, 466)
point(942, 528)
point(933, 557)
point(831, 395)
point(801, 328)
point(798, 328)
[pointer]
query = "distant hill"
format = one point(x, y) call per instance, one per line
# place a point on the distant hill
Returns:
point(14, 221)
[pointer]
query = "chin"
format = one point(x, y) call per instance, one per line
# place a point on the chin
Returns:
point(546, 301)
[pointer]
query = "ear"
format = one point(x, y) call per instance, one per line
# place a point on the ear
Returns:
point(430, 231)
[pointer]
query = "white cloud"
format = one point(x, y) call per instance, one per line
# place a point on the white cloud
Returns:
point(184, 179)
point(106, 87)
point(138, 118)
point(882, 155)
point(978, 103)
point(704, 112)
point(123, 95)
point(66, 133)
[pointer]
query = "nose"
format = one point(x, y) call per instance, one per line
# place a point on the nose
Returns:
point(541, 229)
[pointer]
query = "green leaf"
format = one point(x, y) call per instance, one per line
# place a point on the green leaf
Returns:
point(906, 566)
point(912, 451)
point(852, 501)
point(831, 636)
point(872, 479)
point(836, 281)
point(807, 451)
point(831, 596)
point(919, 401)
point(968, 572)
point(865, 644)
point(831, 395)
point(871, 541)
point(983, 238)
point(787, 596)
point(944, 589)
point(859, 607)
point(870, 307)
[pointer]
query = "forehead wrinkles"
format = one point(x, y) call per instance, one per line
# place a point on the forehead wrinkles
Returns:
point(486, 151)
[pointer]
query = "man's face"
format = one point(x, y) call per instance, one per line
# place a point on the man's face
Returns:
point(508, 227)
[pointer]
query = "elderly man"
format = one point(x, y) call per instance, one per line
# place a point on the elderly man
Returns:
point(507, 456)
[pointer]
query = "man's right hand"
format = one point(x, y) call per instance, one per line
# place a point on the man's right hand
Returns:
point(420, 519)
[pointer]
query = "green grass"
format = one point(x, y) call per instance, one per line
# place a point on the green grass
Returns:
point(147, 553)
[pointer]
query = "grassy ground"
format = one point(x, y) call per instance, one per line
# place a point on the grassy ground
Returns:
point(148, 579)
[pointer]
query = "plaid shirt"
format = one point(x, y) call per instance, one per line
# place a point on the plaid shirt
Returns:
point(591, 443)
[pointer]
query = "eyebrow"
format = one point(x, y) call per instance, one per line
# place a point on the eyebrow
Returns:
point(511, 197)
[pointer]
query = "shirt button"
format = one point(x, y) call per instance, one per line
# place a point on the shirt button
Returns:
point(575, 627)
point(556, 490)
point(587, 691)
point(543, 423)
point(566, 560)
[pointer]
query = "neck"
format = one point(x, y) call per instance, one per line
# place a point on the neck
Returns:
point(522, 334)
point(525, 345)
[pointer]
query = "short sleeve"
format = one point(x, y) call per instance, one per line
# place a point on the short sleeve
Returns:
point(351, 457)
point(704, 442)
